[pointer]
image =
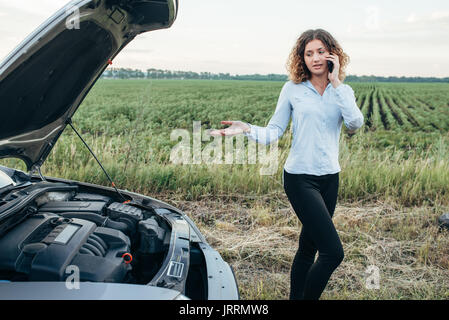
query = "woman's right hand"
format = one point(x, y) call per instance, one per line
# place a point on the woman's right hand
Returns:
point(236, 127)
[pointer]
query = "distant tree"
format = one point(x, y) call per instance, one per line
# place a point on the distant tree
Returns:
point(152, 73)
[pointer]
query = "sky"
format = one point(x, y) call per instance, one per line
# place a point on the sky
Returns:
point(382, 37)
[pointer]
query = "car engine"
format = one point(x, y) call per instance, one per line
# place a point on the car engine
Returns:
point(106, 241)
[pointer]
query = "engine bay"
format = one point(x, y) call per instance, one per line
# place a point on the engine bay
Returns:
point(106, 240)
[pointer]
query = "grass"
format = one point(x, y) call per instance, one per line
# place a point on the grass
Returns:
point(259, 240)
point(393, 185)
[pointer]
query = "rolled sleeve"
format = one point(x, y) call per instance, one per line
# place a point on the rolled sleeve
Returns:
point(345, 98)
point(251, 133)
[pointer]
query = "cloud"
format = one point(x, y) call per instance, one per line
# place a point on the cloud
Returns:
point(436, 18)
point(411, 18)
point(440, 15)
point(431, 29)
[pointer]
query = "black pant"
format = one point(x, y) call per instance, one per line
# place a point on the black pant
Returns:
point(314, 199)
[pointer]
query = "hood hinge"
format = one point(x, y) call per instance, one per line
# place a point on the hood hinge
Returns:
point(37, 169)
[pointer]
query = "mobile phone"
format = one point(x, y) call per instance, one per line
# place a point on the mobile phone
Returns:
point(330, 66)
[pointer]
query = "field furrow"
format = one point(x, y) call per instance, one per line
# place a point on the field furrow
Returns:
point(426, 117)
point(376, 113)
point(429, 106)
point(410, 117)
point(368, 110)
point(361, 100)
point(383, 114)
point(390, 118)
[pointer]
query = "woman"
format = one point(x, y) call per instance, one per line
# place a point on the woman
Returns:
point(318, 102)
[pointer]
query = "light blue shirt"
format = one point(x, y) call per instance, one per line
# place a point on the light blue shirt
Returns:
point(316, 125)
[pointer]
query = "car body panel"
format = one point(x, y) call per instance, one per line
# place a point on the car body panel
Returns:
point(222, 284)
point(43, 82)
point(45, 79)
point(84, 291)
point(221, 281)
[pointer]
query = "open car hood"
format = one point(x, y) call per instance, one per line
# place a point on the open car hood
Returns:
point(44, 80)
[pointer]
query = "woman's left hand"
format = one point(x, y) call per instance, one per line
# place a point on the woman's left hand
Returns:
point(333, 77)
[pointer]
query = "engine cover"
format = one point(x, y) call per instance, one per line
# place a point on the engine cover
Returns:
point(44, 245)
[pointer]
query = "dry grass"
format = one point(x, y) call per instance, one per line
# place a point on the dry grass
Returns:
point(259, 239)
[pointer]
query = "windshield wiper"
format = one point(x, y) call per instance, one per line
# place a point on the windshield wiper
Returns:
point(14, 187)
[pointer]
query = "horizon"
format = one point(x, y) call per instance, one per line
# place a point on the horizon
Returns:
point(382, 38)
point(266, 74)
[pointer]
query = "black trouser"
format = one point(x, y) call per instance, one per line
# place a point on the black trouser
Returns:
point(314, 199)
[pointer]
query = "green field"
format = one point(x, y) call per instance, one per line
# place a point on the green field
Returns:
point(394, 179)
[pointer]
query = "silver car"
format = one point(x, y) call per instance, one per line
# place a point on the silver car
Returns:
point(62, 239)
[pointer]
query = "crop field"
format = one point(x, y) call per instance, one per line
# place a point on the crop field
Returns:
point(394, 182)
point(403, 107)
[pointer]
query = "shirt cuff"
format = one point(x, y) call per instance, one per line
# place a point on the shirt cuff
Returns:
point(340, 89)
point(248, 133)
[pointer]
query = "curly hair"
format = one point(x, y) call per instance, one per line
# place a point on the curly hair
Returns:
point(296, 66)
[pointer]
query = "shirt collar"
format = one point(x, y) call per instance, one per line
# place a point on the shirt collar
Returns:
point(310, 85)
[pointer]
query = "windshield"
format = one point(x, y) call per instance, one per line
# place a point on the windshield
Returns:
point(5, 180)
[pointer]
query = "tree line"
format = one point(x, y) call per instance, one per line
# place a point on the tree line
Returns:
point(127, 73)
